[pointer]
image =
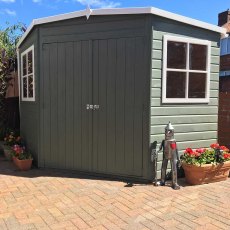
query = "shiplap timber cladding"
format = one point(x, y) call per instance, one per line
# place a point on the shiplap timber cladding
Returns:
point(195, 124)
point(114, 61)
point(29, 111)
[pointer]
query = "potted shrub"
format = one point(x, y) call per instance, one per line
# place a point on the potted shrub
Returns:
point(22, 158)
point(206, 165)
point(9, 141)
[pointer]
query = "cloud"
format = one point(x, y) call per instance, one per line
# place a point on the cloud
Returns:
point(8, 12)
point(37, 1)
point(99, 3)
point(45, 3)
point(91, 3)
point(7, 1)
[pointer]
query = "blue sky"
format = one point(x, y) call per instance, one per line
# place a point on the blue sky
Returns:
point(25, 10)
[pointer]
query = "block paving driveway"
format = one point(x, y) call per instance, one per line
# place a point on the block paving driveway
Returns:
point(51, 199)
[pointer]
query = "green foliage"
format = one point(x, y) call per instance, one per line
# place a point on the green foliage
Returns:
point(9, 36)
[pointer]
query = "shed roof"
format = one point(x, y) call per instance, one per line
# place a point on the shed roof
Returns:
point(118, 11)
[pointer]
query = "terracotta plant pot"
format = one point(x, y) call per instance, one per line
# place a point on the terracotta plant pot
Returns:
point(23, 165)
point(205, 174)
point(7, 152)
point(14, 160)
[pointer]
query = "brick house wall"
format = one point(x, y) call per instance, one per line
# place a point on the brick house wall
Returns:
point(224, 112)
point(225, 62)
point(224, 87)
point(224, 119)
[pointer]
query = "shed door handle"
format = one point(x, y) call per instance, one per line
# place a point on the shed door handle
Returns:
point(88, 106)
point(92, 107)
point(96, 107)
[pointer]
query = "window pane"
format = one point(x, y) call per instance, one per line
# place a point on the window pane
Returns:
point(197, 85)
point(25, 87)
point(176, 57)
point(30, 62)
point(31, 87)
point(24, 65)
point(198, 57)
point(175, 85)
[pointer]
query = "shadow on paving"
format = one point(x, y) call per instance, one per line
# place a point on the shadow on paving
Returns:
point(8, 168)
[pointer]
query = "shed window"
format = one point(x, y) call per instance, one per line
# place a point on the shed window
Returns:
point(27, 75)
point(186, 70)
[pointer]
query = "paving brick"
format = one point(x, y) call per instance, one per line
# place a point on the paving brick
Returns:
point(111, 226)
point(79, 223)
point(183, 227)
point(55, 212)
point(168, 224)
point(62, 225)
point(186, 221)
point(66, 217)
point(100, 227)
point(207, 227)
point(33, 200)
point(151, 225)
point(203, 220)
point(220, 225)
point(25, 227)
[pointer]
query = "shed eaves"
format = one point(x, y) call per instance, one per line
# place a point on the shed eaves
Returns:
point(118, 11)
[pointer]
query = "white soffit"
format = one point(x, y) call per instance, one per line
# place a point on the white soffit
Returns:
point(116, 11)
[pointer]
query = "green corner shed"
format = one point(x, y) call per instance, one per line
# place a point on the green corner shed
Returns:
point(97, 87)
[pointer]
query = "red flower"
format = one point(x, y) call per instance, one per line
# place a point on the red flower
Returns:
point(224, 148)
point(189, 151)
point(17, 149)
point(226, 155)
point(215, 146)
point(200, 150)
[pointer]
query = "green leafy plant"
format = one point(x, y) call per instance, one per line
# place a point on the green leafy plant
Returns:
point(213, 155)
point(9, 37)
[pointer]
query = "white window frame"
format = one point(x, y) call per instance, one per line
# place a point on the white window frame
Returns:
point(31, 48)
point(167, 38)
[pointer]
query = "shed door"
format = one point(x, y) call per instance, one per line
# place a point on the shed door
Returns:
point(107, 73)
point(118, 90)
point(67, 88)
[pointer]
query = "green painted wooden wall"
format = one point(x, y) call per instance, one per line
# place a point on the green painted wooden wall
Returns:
point(195, 124)
point(29, 111)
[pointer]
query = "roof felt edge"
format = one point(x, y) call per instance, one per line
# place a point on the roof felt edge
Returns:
point(119, 11)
